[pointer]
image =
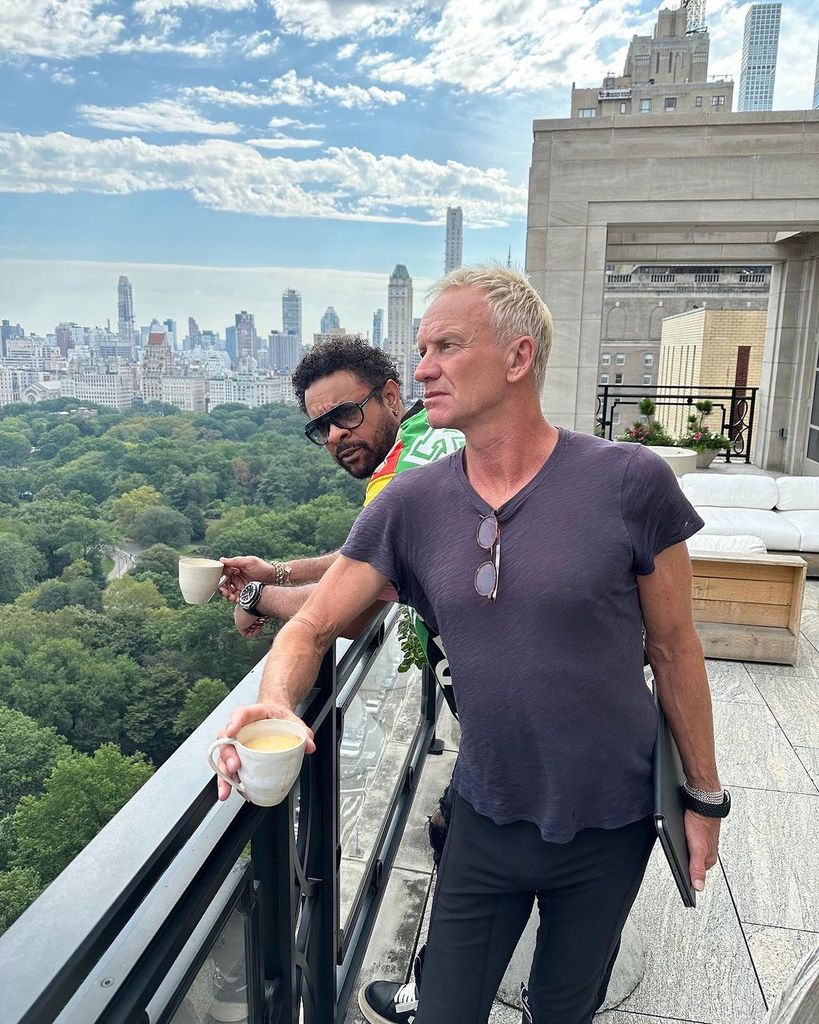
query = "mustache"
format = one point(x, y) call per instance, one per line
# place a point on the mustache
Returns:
point(350, 446)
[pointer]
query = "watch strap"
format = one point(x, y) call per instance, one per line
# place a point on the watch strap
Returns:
point(708, 810)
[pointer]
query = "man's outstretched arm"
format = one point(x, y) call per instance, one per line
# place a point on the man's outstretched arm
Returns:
point(346, 591)
point(246, 568)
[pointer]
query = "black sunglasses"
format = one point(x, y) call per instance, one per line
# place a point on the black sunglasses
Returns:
point(347, 416)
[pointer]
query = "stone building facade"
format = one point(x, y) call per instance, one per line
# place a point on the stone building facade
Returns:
point(665, 73)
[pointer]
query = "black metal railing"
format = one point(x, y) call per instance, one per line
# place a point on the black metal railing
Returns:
point(168, 892)
point(736, 408)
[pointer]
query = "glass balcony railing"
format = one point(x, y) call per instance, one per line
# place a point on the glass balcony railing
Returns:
point(186, 911)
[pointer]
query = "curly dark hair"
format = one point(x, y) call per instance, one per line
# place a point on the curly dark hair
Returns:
point(351, 352)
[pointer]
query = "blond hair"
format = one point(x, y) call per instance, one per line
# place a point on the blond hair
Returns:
point(515, 308)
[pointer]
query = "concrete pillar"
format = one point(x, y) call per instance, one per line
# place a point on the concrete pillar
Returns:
point(567, 263)
point(789, 364)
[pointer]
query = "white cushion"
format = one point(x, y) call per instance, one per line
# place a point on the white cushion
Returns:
point(741, 542)
point(773, 529)
point(730, 490)
point(806, 522)
point(797, 492)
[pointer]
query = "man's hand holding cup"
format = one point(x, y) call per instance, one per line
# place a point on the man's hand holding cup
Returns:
point(272, 741)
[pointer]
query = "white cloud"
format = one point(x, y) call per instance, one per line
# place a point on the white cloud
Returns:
point(341, 184)
point(332, 19)
point(290, 122)
point(64, 76)
point(292, 91)
point(209, 48)
point(513, 46)
point(68, 29)
point(150, 9)
point(258, 45)
point(347, 51)
point(156, 116)
point(279, 141)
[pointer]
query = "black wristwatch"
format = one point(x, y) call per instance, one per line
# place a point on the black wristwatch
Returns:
point(705, 809)
point(249, 597)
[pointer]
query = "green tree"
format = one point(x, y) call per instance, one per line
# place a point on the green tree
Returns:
point(203, 641)
point(158, 558)
point(20, 566)
point(58, 438)
point(205, 694)
point(128, 595)
point(128, 506)
point(19, 888)
point(71, 688)
point(81, 795)
point(14, 448)
point(83, 537)
point(161, 525)
point(155, 701)
point(28, 752)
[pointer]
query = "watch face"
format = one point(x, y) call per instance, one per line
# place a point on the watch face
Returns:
point(249, 594)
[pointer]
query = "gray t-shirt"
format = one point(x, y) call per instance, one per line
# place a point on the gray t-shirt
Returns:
point(557, 724)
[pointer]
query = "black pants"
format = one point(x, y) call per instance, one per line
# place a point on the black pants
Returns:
point(488, 879)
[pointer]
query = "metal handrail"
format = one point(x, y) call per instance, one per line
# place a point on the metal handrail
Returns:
point(109, 931)
point(736, 406)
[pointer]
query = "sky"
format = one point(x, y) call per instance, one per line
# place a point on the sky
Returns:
point(219, 151)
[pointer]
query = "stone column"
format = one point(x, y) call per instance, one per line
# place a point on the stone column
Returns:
point(789, 362)
point(567, 263)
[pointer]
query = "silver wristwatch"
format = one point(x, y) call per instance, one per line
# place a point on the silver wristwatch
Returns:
point(249, 597)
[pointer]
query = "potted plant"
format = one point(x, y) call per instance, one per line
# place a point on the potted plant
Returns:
point(648, 430)
point(706, 443)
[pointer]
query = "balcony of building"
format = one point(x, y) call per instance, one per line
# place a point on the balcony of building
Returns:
point(186, 911)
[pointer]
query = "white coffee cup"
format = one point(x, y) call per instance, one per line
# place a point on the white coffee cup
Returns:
point(265, 777)
point(199, 578)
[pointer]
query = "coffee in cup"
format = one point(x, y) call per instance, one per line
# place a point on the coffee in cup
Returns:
point(199, 578)
point(270, 753)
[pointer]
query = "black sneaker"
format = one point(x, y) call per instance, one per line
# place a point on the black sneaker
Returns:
point(386, 1002)
point(525, 1011)
point(229, 1004)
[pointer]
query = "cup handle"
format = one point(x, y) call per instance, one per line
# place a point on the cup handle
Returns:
point(216, 745)
point(219, 584)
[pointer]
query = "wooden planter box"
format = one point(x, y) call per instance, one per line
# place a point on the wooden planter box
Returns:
point(748, 607)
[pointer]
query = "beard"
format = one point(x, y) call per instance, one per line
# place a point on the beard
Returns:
point(370, 456)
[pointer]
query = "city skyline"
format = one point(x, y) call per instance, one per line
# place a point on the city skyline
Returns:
point(323, 136)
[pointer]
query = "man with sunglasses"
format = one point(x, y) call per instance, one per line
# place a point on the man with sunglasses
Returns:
point(553, 791)
point(351, 391)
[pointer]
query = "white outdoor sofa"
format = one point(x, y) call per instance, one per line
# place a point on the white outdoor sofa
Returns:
point(749, 513)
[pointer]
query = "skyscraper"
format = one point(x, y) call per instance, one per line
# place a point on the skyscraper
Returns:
point(284, 351)
point(230, 344)
point(378, 328)
point(760, 43)
point(816, 83)
point(170, 326)
point(291, 313)
point(453, 249)
point(330, 321)
point(399, 324)
point(194, 334)
point(246, 339)
point(125, 312)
